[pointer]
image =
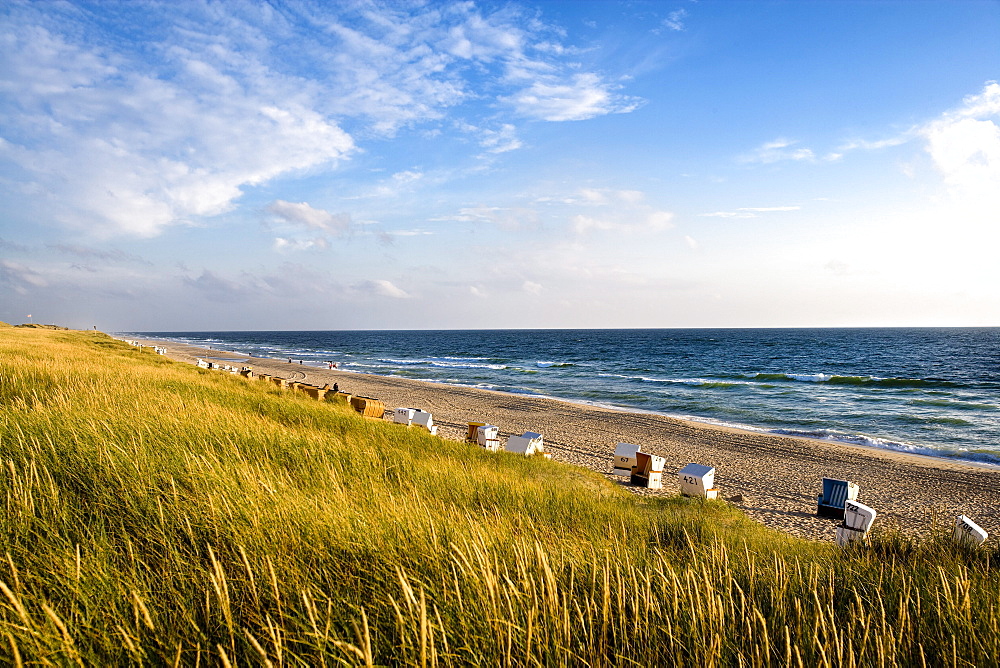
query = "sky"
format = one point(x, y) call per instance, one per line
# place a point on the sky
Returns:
point(302, 165)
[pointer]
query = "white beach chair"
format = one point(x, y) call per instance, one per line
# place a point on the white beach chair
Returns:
point(858, 516)
point(403, 416)
point(624, 459)
point(648, 471)
point(698, 480)
point(526, 444)
point(968, 532)
point(847, 535)
point(425, 420)
point(487, 432)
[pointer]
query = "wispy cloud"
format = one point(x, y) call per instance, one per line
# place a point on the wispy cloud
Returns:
point(209, 101)
point(616, 210)
point(675, 19)
point(749, 211)
point(502, 140)
point(382, 288)
point(585, 96)
point(506, 218)
point(20, 278)
point(303, 214)
point(778, 150)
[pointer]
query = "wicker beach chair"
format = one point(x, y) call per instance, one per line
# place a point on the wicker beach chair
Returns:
point(835, 494)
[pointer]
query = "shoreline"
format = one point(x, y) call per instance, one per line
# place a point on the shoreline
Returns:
point(773, 478)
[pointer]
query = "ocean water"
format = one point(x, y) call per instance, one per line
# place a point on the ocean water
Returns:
point(929, 391)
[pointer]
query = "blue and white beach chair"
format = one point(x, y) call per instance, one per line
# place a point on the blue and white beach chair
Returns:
point(835, 494)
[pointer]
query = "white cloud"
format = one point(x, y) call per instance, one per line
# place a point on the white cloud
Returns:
point(20, 278)
point(156, 116)
point(605, 196)
point(282, 244)
point(305, 215)
point(583, 224)
point(865, 145)
point(120, 148)
point(749, 211)
point(768, 209)
point(502, 140)
point(675, 19)
point(585, 96)
point(623, 211)
point(778, 150)
point(531, 287)
point(965, 145)
point(382, 288)
point(506, 218)
point(659, 221)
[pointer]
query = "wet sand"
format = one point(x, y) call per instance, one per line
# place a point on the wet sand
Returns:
point(773, 479)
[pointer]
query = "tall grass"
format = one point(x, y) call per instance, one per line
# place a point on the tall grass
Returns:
point(158, 513)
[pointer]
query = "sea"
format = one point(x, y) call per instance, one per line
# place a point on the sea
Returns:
point(931, 391)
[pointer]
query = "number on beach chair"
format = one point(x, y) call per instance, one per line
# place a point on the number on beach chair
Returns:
point(968, 532)
point(698, 480)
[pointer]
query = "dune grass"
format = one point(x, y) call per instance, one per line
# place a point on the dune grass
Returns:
point(163, 514)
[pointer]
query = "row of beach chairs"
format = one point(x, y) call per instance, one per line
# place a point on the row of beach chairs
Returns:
point(417, 417)
point(366, 406)
point(646, 470)
point(159, 350)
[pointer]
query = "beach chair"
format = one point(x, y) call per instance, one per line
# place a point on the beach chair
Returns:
point(968, 532)
point(526, 444)
point(368, 407)
point(835, 494)
point(648, 471)
point(341, 397)
point(858, 516)
point(403, 416)
point(623, 463)
point(471, 436)
point(425, 420)
point(488, 436)
point(846, 535)
point(315, 392)
point(487, 432)
point(698, 480)
point(858, 520)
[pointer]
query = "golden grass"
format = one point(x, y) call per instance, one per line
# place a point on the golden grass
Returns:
point(159, 513)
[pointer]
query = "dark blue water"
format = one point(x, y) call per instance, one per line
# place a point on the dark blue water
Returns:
point(932, 391)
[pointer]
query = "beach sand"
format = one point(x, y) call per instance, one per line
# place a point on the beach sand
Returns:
point(773, 479)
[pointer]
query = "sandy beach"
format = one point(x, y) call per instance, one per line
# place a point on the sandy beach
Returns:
point(773, 479)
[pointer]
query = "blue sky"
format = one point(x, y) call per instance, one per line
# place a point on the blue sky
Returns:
point(312, 165)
